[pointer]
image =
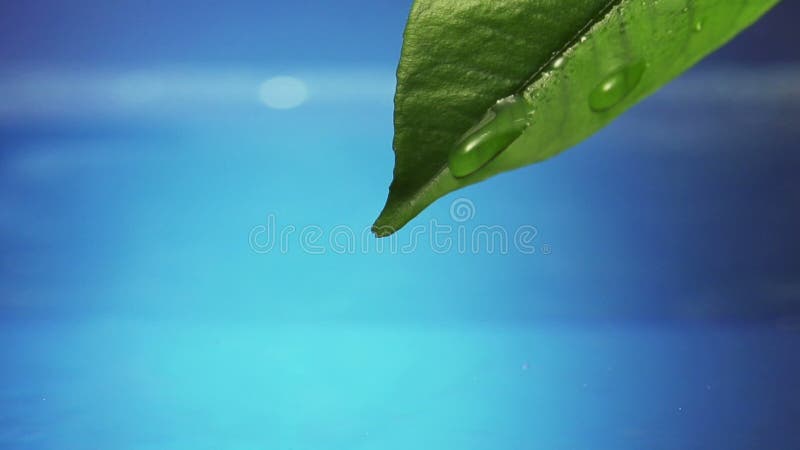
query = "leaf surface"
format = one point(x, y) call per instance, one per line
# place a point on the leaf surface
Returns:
point(578, 64)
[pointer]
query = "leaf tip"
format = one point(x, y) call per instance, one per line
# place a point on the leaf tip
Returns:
point(382, 231)
point(383, 224)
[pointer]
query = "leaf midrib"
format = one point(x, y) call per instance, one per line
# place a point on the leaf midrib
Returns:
point(602, 14)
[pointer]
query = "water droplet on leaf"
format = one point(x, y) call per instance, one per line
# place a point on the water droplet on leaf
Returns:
point(615, 87)
point(501, 126)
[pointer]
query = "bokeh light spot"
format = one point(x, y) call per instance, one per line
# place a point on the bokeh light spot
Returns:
point(283, 92)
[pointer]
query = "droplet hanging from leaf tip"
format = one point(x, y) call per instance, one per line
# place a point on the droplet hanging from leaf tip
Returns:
point(500, 127)
point(616, 86)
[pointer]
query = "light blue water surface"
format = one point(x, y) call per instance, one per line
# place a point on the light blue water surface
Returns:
point(142, 384)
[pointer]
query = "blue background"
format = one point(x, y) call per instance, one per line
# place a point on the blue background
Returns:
point(661, 310)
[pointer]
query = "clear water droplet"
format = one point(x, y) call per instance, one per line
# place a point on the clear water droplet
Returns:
point(615, 87)
point(501, 126)
point(698, 26)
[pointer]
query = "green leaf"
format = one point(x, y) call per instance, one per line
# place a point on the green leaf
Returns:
point(573, 64)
